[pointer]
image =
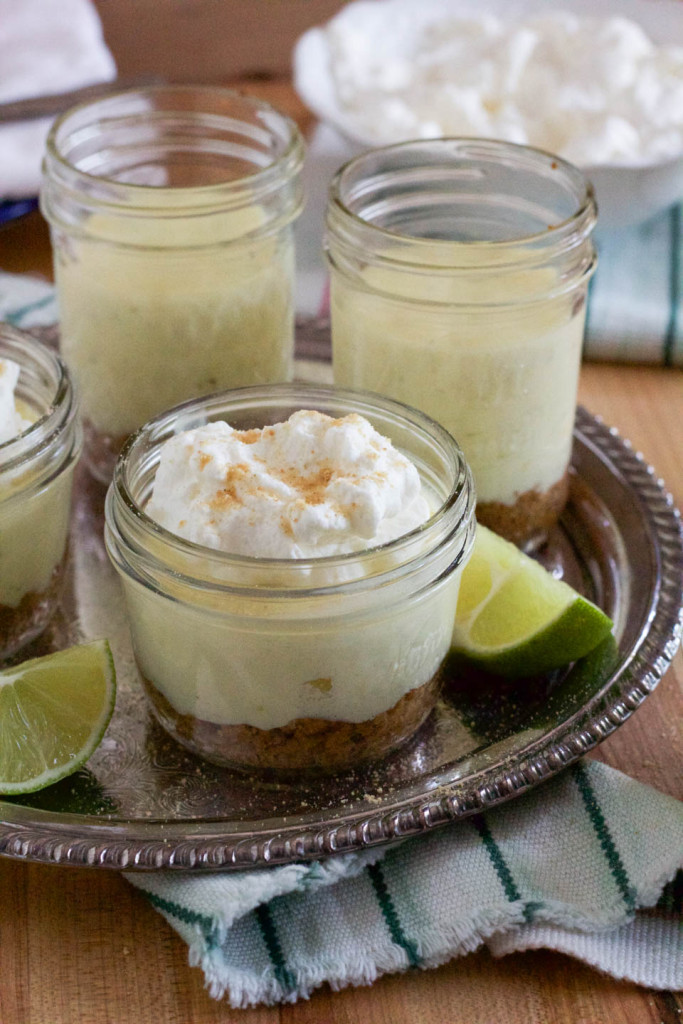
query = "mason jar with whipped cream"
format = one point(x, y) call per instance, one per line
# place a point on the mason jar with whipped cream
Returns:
point(40, 441)
point(171, 212)
point(459, 275)
point(291, 558)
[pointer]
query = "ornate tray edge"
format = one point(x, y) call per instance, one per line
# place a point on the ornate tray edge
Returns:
point(100, 846)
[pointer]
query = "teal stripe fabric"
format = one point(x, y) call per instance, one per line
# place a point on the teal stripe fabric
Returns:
point(590, 863)
point(671, 899)
point(675, 290)
point(27, 301)
point(376, 876)
point(181, 913)
point(176, 912)
point(634, 312)
point(497, 859)
point(27, 313)
point(269, 931)
point(607, 844)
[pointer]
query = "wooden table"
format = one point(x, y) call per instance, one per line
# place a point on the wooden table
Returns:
point(84, 947)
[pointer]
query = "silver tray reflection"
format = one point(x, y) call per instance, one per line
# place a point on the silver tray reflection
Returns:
point(143, 802)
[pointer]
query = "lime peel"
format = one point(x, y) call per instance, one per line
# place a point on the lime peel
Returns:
point(53, 714)
point(515, 619)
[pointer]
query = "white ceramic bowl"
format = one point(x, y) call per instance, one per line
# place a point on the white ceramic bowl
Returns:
point(626, 194)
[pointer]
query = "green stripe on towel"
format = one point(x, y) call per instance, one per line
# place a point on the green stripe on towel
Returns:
point(18, 315)
point(674, 285)
point(502, 870)
point(671, 899)
point(386, 904)
point(607, 844)
point(186, 915)
point(272, 942)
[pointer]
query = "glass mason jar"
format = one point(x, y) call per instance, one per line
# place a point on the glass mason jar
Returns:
point(292, 665)
point(459, 271)
point(171, 210)
point(36, 474)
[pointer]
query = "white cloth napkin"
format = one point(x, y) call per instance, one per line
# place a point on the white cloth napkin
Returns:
point(46, 46)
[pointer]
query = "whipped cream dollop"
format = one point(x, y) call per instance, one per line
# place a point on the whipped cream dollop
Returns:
point(12, 423)
point(309, 487)
point(593, 90)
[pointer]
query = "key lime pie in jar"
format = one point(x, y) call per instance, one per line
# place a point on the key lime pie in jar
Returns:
point(291, 558)
point(171, 213)
point(459, 272)
point(40, 441)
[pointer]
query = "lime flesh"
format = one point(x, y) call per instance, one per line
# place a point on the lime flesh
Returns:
point(515, 619)
point(53, 714)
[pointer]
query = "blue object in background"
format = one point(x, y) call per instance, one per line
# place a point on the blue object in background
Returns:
point(10, 209)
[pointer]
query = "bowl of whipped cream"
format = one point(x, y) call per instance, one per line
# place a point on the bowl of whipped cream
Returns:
point(598, 82)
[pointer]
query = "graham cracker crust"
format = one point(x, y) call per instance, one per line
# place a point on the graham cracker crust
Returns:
point(303, 745)
point(526, 522)
point(20, 625)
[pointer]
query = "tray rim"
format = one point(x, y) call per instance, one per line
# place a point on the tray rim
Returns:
point(185, 844)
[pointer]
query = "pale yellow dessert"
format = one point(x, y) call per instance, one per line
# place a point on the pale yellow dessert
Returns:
point(156, 311)
point(501, 379)
point(329, 654)
point(34, 521)
point(33, 533)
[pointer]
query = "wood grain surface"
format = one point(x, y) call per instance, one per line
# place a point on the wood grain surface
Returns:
point(83, 947)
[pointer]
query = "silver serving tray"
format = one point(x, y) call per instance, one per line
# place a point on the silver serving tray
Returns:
point(143, 802)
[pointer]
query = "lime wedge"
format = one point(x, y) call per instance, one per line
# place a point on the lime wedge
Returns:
point(53, 714)
point(515, 619)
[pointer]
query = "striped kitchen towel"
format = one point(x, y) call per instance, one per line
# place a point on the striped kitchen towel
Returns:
point(27, 301)
point(635, 306)
point(586, 864)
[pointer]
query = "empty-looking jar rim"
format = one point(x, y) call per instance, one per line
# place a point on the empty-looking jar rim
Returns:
point(137, 539)
point(372, 193)
point(85, 143)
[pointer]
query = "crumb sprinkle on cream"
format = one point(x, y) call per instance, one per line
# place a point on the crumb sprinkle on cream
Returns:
point(310, 486)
